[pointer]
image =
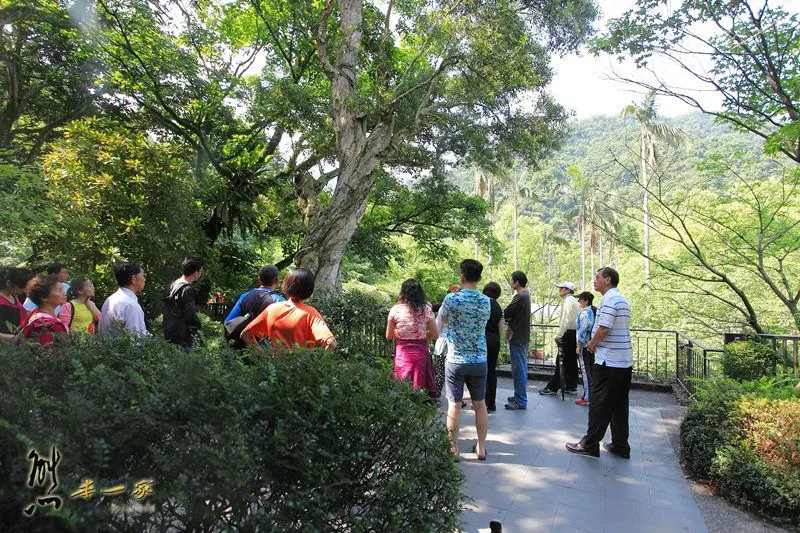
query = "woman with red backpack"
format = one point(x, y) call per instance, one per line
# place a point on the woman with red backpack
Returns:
point(42, 324)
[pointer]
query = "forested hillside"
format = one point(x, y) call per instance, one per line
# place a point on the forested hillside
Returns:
point(592, 187)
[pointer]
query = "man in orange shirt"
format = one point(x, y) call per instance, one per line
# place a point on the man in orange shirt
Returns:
point(292, 322)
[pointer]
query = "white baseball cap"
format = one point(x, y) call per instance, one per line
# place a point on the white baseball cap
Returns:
point(566, 285)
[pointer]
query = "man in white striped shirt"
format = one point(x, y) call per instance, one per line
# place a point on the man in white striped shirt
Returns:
point(611, 375)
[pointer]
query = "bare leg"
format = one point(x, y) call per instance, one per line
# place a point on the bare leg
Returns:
point(453, 416)
point(481, 425)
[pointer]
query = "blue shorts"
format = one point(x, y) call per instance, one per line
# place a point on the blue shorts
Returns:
point(471, 374)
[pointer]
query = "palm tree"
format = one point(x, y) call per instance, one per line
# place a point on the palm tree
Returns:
point(651, 132)
point(511, 180)
point(580, 186)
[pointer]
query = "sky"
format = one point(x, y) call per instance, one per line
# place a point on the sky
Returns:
point(583, 82)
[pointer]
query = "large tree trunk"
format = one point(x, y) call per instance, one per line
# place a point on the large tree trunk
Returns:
point(333, 228)
point(11, 111)
point(591, 249)
point(359, 153)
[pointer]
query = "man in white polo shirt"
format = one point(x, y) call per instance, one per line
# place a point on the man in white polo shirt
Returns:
point(121, 310)
point(611, 375)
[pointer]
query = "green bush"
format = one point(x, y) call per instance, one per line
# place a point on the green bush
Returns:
point(358, 321)
point(748, 360)
point(706, 426)
point(755, 485)
point(745, 439)
point(303, 442)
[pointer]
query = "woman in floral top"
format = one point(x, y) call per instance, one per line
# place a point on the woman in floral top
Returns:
point(412, 323)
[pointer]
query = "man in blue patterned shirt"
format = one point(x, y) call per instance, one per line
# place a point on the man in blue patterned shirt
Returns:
point(465, 314)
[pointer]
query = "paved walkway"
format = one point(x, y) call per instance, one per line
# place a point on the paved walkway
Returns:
point(531, 483)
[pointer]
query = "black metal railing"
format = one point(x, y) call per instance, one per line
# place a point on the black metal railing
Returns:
point(695, 361)
point(360, 333)
point(216, 311)
point(654, 351)
point(659, 355)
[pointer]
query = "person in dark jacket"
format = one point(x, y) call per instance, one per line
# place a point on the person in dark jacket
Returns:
point(181, 322)
point(494, 328)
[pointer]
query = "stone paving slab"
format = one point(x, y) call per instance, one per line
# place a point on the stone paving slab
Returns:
point(531, 483)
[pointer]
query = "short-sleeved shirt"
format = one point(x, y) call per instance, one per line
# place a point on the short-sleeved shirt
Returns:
point(616, 349)
point(82, 317)
point(237, 308)
point(291, 323)
point(411, 324)
point(467, 312)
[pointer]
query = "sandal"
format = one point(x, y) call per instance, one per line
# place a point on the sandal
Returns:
point(475, 451)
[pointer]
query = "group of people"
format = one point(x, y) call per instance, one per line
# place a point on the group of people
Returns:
point(468, 329)
point(39, 307)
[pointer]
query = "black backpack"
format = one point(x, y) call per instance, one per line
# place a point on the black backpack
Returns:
point(173, 302)
point(252, 305)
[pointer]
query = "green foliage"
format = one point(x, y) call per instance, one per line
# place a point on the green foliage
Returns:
point(49, 69)
point(432, 211)
point(745, 439)
point(748, 360)
point(751, 46)
point(756, 486)
point(358, 321)
point(234, 267)
point(771, 428)
point(303, 442)
point(25, 216)
point(118, 195)
point(706, 426)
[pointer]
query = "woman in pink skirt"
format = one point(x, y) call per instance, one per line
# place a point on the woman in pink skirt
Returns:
point(412, 323)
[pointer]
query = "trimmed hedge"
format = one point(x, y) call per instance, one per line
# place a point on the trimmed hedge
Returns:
point(745, 439)
point(303, 442)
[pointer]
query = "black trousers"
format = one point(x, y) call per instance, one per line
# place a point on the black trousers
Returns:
point(608, 404)
point(492, 352)
point(570, 361)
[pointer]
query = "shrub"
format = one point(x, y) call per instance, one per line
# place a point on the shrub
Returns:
point(755, 485)
point(771, 428)
point(745, 439)
point(706, 426)
point(748, 360)
point(358, 321)
point(302, 442)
